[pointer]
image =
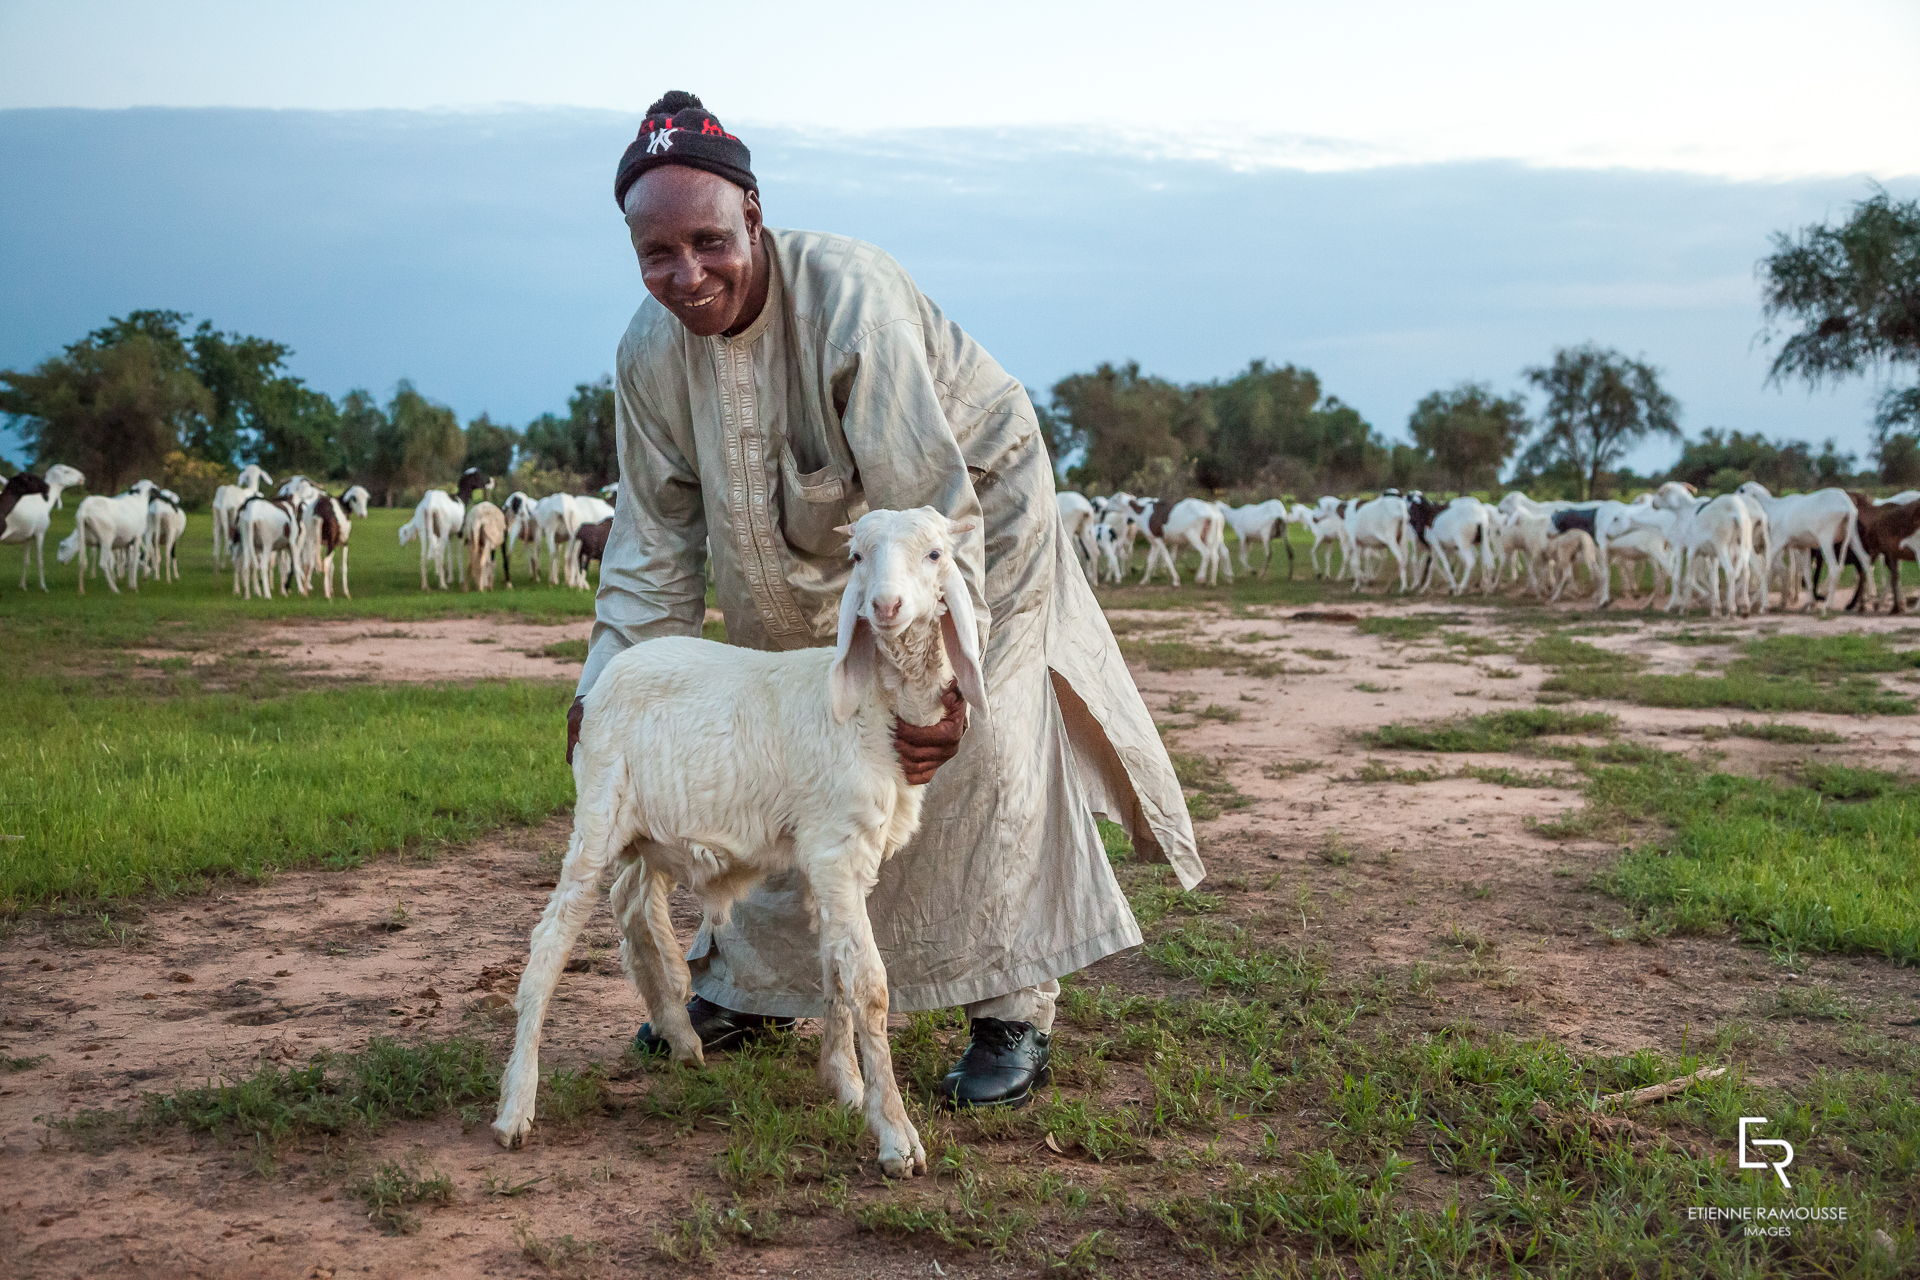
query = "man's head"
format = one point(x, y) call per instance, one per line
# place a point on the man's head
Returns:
point(697, 237)
point(692, 207)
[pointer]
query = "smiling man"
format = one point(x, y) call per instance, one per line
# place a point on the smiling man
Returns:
point(775, 385)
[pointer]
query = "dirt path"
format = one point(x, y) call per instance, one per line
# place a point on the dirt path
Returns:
point(1446, 874)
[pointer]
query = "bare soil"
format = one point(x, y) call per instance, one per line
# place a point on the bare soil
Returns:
point(1384, 875)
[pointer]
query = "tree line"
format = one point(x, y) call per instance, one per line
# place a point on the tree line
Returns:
point(1841, 300)
point(149, 395)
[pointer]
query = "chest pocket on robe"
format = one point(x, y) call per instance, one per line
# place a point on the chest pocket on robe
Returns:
point(813, 505)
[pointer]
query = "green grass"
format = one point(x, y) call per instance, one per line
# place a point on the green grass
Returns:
point(200, 609)
point(1744, 690)
point(1209, 792)
point(120, 792)
point(391, 1191)
point(1820, 673)
point(1825, 864)
point(1774, 731)
point(1495, 731)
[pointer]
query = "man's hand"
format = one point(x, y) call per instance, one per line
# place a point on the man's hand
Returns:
point(923, 748)
point(574, 714)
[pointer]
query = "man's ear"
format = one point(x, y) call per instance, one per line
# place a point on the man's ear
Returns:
point(750, 210)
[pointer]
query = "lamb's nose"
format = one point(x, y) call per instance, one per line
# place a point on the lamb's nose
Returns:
point(886, 610)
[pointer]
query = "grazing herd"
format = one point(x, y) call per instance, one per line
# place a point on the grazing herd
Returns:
point(1734, 553)
point(285, 541)
point(1730, 553)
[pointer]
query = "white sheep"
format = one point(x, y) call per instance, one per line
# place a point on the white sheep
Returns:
point(1077, 517)
point(558, 517)
point(113, 528)
point(484, 532)
point(264, 530)
point(1260, 520)
point(26, 507)
point(1379, 525)
point(436, 522)
point(1818, 521)
point(227, 501)
point(166, 523)
point(1190, 522)
point(715, 767)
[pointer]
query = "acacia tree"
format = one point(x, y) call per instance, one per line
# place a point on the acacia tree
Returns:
point(1599, 405)
point(1126, 418)
point(1469, 432)
point(582, 442)
point(1851, 295)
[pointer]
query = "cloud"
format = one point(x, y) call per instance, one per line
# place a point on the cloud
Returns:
point(480, 253)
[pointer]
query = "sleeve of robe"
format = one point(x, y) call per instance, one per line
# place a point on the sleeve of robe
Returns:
point(653, 579)
point(902, 443)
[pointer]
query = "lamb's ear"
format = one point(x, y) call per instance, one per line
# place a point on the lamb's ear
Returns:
point(852, 669)
point(961, 636)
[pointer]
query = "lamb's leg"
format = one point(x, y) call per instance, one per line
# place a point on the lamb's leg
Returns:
point(858, 991)
point(650, 953)
point(597, 837)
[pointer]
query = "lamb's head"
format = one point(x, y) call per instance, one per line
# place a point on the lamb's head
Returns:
point(65, 476)
point(252, 476)
point(1674, 495)
point(906, 584)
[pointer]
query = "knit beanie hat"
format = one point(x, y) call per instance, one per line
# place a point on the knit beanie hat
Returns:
point(678, 130)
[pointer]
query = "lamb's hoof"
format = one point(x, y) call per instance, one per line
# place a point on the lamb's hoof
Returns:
point(511, 1134)
point(904, 1162)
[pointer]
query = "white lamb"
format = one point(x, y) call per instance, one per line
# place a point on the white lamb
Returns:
point(715, 767)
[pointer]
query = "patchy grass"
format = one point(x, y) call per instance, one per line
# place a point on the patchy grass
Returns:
point(391, 1192)
point(1821, 673)
point(1184, 655)
point(1825, 865)
point(1407, 626)
point(1219, 714)
point(1380, 771)
point(1741, 689)
point(1773, 731)
point(1495, 731)
point(1560, 651)
point(199, 785)
point(334, 1094)
point(1209, 792)
point(563, 650)
point(1504, 777)
point(1279, 769)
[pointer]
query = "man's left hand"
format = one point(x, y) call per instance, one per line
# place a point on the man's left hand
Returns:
point(923, 748)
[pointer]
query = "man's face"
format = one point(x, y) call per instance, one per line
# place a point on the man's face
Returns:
point(695, 233)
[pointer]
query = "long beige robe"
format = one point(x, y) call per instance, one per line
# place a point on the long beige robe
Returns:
point(739, 457)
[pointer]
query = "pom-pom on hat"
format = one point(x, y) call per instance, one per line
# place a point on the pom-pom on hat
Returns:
point(678, 130)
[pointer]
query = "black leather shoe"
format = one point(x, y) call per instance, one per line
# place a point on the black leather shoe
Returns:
point(1005, 1063)
point(717, 1028)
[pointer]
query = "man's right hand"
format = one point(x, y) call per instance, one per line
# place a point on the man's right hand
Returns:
point(574, 714)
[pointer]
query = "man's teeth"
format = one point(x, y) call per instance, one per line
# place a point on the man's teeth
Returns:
point(704, 301)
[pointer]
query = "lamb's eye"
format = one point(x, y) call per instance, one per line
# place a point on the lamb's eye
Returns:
point(934, 554)
point(856, 557)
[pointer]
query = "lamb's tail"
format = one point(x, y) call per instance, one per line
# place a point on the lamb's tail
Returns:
point(70, 545)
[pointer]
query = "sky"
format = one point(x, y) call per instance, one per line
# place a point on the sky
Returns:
point(1398, 196)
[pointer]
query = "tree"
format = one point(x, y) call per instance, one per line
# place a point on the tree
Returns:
point(115, 410)
point(359, 436)
point(294, 429)
point(1126, 418)
point(1599, 405)
point(1786, 465)
point(422, 443)
point(490, 446)
point(582, 442)
point(1469, 432)
point(1851, 293)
